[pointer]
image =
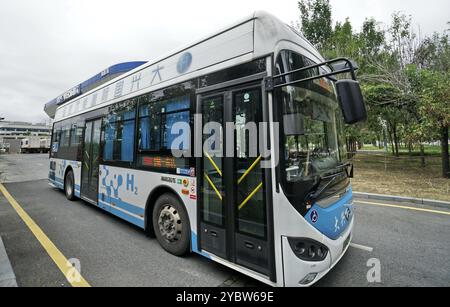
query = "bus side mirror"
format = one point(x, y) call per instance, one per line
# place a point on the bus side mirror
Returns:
point(351, 101)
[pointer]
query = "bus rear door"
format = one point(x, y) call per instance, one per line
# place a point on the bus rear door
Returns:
point(91, 156)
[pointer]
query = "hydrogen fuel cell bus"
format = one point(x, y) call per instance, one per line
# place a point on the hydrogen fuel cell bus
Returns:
point(283, 216)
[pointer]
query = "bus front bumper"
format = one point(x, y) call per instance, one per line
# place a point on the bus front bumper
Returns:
point(300, 273)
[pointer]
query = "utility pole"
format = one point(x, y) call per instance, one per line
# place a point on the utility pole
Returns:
point(1, 144)
point(384, 126)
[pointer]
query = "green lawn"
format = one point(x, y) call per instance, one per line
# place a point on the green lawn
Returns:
point(429, 150)
point(384, 174)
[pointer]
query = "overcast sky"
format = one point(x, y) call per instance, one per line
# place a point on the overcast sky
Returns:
point(49, 46)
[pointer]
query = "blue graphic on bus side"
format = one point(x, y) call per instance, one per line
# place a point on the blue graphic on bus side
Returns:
point(113, 185)
point(184, 62)
point(314, 216)
point(62, 168)
point(334, 220)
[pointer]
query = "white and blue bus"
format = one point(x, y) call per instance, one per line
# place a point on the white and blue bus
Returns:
point(276, 207)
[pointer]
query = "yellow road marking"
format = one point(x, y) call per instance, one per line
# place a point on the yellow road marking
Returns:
point(250, 196)
point(213, 186)
point(402, 207)
point(71, 274)
point(213, 163)
point(249, 170)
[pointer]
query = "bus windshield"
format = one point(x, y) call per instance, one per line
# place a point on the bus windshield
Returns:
point(309, 122)
point(311, 128)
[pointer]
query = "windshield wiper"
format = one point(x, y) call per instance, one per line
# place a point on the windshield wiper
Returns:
point(315, 192)
point(313, 196)
point(340, 168)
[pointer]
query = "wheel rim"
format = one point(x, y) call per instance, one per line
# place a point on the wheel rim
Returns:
point(69, 188)
point(170, 225)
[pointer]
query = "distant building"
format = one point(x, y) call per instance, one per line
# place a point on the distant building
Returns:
point(11, 132)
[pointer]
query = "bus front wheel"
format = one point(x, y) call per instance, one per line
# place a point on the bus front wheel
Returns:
point(171, 225)
point(69, 186)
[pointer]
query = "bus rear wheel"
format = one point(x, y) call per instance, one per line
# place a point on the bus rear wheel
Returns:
point(69, 186)
point(171, 225)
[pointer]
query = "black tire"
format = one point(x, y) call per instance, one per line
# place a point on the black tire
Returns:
point(69, 186)
point(174, 236)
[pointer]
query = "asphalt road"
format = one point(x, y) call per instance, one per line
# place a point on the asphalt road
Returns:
point(25, 167)
point(413, 247)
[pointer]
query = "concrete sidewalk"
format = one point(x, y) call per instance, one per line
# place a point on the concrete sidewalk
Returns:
point(402, 199)
point(7, 276)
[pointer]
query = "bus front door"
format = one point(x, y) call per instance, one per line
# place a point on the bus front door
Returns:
point(91, 155)
point(233, 215)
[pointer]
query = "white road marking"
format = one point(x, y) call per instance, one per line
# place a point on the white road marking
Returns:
point(362, 247)
point(402, 207)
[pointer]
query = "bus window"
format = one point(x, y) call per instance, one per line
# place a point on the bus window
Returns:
point(156, 120)
point(76, 134)
point(56, 137)
point(177, 112)
point(119, 127)
point(149, 127)
point(65, 137)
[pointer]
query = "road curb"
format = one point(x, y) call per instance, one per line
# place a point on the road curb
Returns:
point(7, 276)
point(418, 201)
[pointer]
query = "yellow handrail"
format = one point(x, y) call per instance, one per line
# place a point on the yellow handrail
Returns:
point(250, 196)
point(213, 163)
point(213, 186)
point(249, 170)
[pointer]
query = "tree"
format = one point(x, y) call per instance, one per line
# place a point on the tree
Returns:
point(403, 41)
point(436, 110)
point(343, 42)
point(434, 53)
point(392, 68)
point(371, 42)
point(385, 102)
point(316, 21)
point(405, 79)
point(432, 76)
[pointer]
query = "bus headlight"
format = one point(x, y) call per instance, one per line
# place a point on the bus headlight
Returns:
point(308, 250)
point(308, 279)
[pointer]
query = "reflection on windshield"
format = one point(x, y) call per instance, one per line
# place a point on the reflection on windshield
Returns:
point(309, 122)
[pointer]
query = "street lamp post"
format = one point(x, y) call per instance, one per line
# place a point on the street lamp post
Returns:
point(1, 144)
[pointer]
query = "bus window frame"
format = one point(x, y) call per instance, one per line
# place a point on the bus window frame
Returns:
point(194, 86)
point(117, 163)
